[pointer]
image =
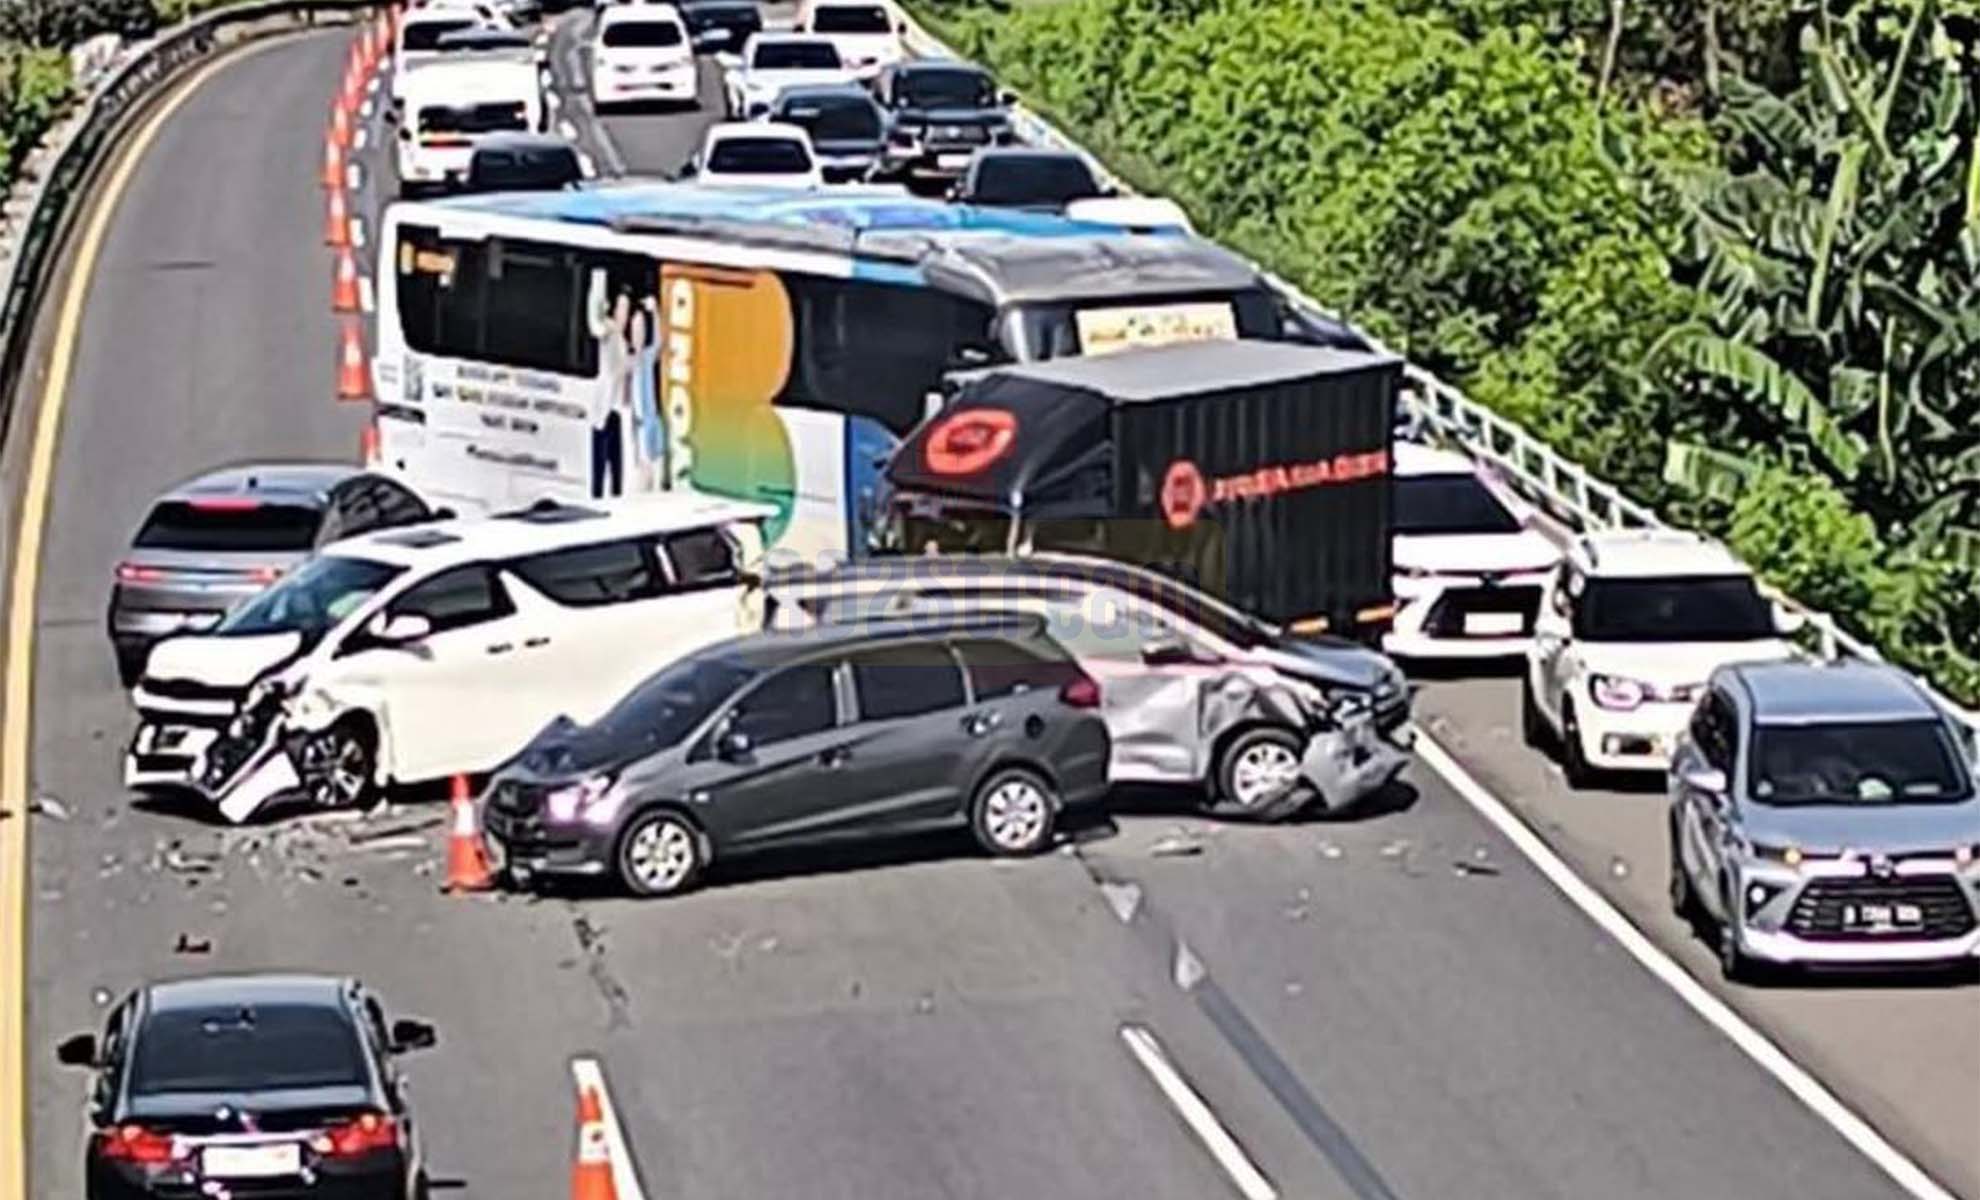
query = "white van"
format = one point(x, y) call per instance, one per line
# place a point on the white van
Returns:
point(419, 36)
point(440, 649)
point(451, 106)
point(866, 32)
point(642, 52)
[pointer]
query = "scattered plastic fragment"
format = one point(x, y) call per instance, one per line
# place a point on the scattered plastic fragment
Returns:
point(1462, 867)
point(187, 944)
point(1619, 867)
point(1330, 850)
point(924, 1003)
point(1176, 845)
point(48, 806)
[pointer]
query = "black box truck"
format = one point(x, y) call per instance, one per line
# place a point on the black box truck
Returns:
point(1258, 471)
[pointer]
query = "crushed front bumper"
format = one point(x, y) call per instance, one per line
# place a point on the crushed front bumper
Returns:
point(1353, 760)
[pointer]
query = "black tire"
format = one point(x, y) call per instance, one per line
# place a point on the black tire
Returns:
point(1265, 749)
point(1532, 726)
point(1684, 900)
point(660, 853)
point(1574, 763)
point(130, 668)
point(339, 766)
point(1013, 813)
point(1734, 964)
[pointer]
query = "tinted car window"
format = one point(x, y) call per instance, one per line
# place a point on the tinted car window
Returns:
point(1672, 609)
point(1054, 179)
point(793, 702)
point(643, 35)
point(849, 18)
point(1449, 504)
point(906, 681)
point(788, 56)
point(312, 599)
point(456, 599)
point(834, 118)
point(246, 526)
point(1864, 763)
point(701, 556)
point(217, 1050)
point(758, 156)
point(1003, 667)
point(610, 573)
point(1712, 728)
point(473, 118)
point(672, 703)
point(944, 89)
point(426, 35)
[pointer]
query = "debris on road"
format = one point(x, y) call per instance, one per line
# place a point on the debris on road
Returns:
point(44, 805)
point(1176, 845)
point(397, 834)
point(925, 1003)
point(1619, 867)
point(1330, 850)
point(101, 996)
point(1398, 848)
point(187, 944)
point(1301, 906)
point(1474, 867)
point(1123, 898)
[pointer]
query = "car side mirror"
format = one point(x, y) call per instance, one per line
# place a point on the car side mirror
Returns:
point(734, 746)
point(412, 1035)
point(1709, 780)
point(688, 171)
point(443, 513)
point(398, 629)
point(1007, 99)
point(1788, 622)
point(78, 1051)
point(1167, 652)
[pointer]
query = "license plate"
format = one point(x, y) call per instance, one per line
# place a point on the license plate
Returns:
point(250, 1162)
point(950, 162)
point(1492, 624)
point(1882, 918)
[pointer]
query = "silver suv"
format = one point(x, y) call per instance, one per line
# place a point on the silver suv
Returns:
point(1825, 814)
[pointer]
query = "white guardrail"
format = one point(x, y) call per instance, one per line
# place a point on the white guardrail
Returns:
point(1565, 489)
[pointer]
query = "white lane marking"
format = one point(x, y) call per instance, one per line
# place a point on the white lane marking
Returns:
point(1248, 1179)
point(357, 232)
point(550, 97)
point(588, 1075)
point(353, 176)
point(367, 109)
point(359, 139)
point(568, 129)
point(1716, 1012)
point(366, 299)
point(587, 166)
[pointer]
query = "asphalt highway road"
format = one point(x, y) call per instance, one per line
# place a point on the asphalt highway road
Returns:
point(1365, 1019)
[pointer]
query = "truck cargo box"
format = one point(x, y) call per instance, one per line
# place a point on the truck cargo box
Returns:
point(1256, 470)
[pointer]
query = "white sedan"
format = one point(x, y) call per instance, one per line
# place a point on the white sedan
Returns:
point(771, 62)
point(764, 154)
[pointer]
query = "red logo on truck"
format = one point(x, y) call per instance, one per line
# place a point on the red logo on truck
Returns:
point(1183, 494)
point(971, 440)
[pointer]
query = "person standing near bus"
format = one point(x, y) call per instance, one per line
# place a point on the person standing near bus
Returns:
point(608, 325)
point(648, 425)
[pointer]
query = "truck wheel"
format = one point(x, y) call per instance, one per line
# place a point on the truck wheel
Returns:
point(1258, 776)
point(338, 765)
point(1012, 813)
point(660, 854)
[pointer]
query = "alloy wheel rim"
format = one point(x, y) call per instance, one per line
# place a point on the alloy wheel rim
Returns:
point(1015, 813)
point(661, 854)
point(337, 768)
point(1262, 771)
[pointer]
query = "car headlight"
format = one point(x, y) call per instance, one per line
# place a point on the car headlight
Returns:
point(593, 799)
point(1617, 691)
point(1786, 855)
point(1965, 856)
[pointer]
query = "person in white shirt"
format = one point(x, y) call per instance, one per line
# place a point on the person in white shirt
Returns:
point(610, 403)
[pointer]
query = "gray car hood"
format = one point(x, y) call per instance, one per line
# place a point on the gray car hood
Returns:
point(1329, 661)
point(1878, 827)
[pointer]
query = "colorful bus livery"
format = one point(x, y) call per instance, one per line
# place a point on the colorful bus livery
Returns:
point(769, 346)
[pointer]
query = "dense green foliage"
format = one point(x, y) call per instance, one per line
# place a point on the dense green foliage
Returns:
point(1509, 190)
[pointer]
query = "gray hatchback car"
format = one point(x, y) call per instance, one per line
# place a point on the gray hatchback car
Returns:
point(1825, 814)
point(229, 533)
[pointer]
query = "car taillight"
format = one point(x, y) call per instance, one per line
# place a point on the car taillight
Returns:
point(136, 1144)
point(132, 573)
point(371, 1131)
point(1081, 691)
point(224, 503)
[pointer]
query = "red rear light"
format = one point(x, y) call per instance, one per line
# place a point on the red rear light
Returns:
point(135, 1144)
point(264, 574)
point(132, 573)
point(224, 503)
point(1081, 691)
point(371, 1131)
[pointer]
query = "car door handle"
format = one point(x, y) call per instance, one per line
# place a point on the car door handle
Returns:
point(978, 724)
point(501, 647)
point(835, 757)
point(533, 643)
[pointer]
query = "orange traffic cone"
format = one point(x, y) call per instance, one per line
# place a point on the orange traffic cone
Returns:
point(591, 1177)
point(353, 374)
point(333, 163)
point(337, 220)
point(368, 444)
point(344, 290)
point(467, 858)
point(340, 124)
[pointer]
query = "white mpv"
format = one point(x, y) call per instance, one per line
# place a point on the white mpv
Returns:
point(440, 649)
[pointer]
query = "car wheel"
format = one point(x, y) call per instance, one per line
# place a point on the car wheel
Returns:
point(1012, 813)
point(1532, 726)
point(1735, 965)
point(1684, 901)
point(1574, 762)
point(338, 766)
point(1258, 776)
point(660, 854)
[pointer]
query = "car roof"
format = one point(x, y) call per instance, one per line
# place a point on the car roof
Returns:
point(234, 991)
point(773, 648)
point(619, 14)
point(1653, 553)
point(989, 152)
point(1792, 693)
point(825, 91)
point(1156, 374)
point(722, 131)
point(914, 65)
point(781, 36)
point(544, 527)
point(288, 482)
point(450, 82)
point(1064, 569)
point(1415, 458)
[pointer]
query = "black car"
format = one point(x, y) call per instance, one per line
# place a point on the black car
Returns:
point(524, 162)
point(835, 733)
point(1019, 177)
point(272, 1086)
point(848, 130)
point(224, 536)
point(941, 111)
point(720, 26)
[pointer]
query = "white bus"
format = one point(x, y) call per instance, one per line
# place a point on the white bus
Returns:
point(768, 346)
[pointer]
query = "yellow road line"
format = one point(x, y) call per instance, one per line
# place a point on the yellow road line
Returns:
point(14, 743)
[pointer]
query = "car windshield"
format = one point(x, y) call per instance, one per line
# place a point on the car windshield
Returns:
point(1698, 608)
point(946, 89)
point(758, 156)
point(642, 35)
point(1449, 504)
point(312, 599)
point(796, 56)
point(1872, 762)
point(851, 18)
point(225, 526)
point(426, 35)
point(262, 1048)
point(834, 118)
point(1052, 179)
point(473, 118)
point(669, 705)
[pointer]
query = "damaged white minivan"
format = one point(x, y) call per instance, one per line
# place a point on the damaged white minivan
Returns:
point(441, 649)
